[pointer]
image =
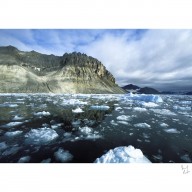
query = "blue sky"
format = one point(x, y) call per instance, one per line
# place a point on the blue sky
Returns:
point(158, 58)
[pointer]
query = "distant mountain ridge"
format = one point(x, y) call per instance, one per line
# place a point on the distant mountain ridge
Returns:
point(33, 72)
point(136, 89)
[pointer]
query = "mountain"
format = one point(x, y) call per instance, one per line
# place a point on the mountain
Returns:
point(135, 89)
point(130, 87)
point(33, 72)
point(148, 90)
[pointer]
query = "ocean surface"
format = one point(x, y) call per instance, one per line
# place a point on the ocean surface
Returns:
point(78, 128)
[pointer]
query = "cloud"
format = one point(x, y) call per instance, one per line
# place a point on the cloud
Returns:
point(158, 58)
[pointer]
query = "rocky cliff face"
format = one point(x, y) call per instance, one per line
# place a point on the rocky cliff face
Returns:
point(32, 72)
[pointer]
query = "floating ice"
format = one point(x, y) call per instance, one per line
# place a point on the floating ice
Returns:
point(43, 113)
point(186, 158)
point(16, 118)
point(149, 104)
point(142, 125)
point(13, 133)
point(113, 123)
point(12, 124)
point(140, 109)
point(3, 146)
point(46, 160)
point(76, 123)
point(163, 111)
point(40, 136)
point(123, 155)
point(63, 156)
point(77, 110)
point(74, 102)
point(164, 125)
point(124, 118)
point(11, 151)
point(181, 108)
point(86, 130)
point(143, 97)
point(24, 159)
point(172, 130)
point(101, 107)
point(123, 122)
point(118, 108)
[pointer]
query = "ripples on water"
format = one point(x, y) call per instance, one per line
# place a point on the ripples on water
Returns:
point(80, 128)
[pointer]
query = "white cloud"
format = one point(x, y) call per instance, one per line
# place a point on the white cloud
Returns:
point(157, 58)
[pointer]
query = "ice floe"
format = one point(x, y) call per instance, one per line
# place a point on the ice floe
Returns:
point(143, 97)
point(181, 108)
point(40, 136)
point(164, 125)
point(12, 124)
point(171, 130)
point(123, 122)
point(13, 133)
point(77, 110)
point(46, 160)
point(163, 111)
point(140, 109)
point(142, 125)
point(74, 102)
point(149, 104)
point(24, 159)
point(63, 155)
point(43, 113)
point(86, 130)
point(186, 158)
point(11, 151)
point(3, 146)
point(113, 123)
point(124, 118)
point(99, 107)
point(123, 155)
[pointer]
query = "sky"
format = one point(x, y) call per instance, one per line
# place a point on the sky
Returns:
point(161, 59)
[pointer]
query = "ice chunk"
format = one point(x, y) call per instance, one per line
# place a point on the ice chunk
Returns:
point(77, 110)
point(40, 136)
point(63, 155)
point(86, 130)
point(143, 97)
point(46, 160)
point(74, 102)
point(16, 118)
point(24, 159)
point(140, 109)
point(99, 107)
point(76, 123)
point(12, 124)
point(142, 125)
point(43, 113)
point(186, 158)
point(123, 122)
point(3, 146)
point(124, 118)
point(164, 125)
point(181, 108)
point(149, 104)
point(13, 133)
point(113, 122)
point(117, 108)
point(11, 151)
point(163, 111)
point(172, 130)
point(123, 155)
